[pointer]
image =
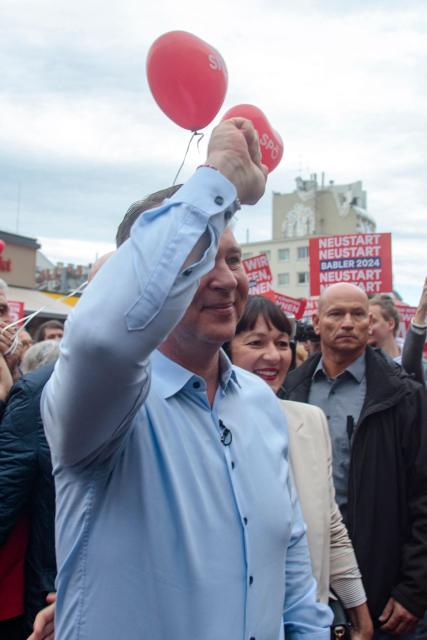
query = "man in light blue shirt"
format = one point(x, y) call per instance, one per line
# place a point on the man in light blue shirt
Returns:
point(175, 513)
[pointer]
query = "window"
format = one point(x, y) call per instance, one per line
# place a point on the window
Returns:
point(267, 253)
point(302, 252)
point(248, 254)
point(283, 278)
point(283, 255)
point(302, 277)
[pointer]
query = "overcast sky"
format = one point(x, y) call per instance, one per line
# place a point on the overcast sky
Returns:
point(343, 81)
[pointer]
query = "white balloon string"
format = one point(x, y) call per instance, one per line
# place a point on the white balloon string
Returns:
point(193, 135)
point(26, 319)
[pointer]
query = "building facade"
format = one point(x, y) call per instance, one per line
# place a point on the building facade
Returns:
point(311, 210)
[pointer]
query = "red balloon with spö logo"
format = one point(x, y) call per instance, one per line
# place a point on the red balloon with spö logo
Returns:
point(270, 141)
point(187, 77)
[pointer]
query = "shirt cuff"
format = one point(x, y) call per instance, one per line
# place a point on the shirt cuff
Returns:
point(350, 591)
point(419, 329)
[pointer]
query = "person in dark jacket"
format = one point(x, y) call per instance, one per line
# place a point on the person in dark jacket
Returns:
point(378, 422)
point(26, 484)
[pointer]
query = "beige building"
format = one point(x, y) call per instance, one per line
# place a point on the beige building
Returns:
point(310, 210)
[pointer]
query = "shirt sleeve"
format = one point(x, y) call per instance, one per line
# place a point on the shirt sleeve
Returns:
point(102, 376)
point(412, 352)
point(303, 616)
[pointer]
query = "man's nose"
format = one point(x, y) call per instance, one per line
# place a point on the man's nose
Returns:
point(348, 320)
point(223, 277)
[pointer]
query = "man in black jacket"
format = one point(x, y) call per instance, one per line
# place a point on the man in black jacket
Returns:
point(377, 418)
point(26, 484)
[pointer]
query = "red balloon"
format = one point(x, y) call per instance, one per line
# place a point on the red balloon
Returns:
point(188, 79)
point(270, 141)
point(2, 245)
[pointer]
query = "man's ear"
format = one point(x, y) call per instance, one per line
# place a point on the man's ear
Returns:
point(315, 320)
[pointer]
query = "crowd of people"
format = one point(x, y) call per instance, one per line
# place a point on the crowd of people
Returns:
point(211, 476)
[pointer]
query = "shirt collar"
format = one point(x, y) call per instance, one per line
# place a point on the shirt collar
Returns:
point(356, 369)
point(173, 377)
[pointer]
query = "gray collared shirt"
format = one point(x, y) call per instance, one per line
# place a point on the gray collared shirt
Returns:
point(342, 400)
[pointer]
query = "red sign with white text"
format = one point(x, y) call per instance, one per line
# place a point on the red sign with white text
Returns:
point(259, 274)
point(406, 313)
point(16, 310)
point(290, 306)
point(363, 259)
point(310, 308)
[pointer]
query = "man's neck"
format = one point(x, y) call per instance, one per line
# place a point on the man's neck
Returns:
point(335, 363)
point(204, 362)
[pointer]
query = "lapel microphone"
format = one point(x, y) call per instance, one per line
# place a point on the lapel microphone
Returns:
point(226, 435)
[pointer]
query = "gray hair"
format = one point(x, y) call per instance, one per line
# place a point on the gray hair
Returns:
point(39, 354)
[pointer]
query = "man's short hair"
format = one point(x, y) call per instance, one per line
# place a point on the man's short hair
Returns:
point(388, 309)
point(49, 324)
point(138, 207)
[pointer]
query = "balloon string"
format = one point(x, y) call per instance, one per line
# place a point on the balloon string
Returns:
point(26, 319)
point(194, 134)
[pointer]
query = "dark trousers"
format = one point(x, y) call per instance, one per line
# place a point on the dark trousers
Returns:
point(13, 629)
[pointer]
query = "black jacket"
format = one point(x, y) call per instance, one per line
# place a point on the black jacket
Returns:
point(387, 493)
point(26, 483)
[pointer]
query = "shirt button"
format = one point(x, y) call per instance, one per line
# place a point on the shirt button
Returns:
point(245, 520)
point(219, 200)
point(232, 464)
point(187, 272)
point(251, 579)
point(196, 385)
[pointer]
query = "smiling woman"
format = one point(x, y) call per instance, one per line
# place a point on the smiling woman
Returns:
point(262, 342)
point(262, 345)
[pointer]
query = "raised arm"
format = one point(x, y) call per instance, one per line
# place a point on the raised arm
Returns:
point(412, 352)
point(139, 295)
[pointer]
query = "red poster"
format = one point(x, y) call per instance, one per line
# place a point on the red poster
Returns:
point(406, 313)
point(310, 308)
point(290, 306)
point(363, 259)
point(16, 309)
point(259, 274)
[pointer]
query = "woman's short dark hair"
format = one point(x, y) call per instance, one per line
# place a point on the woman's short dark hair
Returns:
point(259, 306)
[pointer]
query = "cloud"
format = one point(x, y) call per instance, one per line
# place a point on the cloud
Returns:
point(81, 137)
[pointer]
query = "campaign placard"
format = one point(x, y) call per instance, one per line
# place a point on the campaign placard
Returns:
point(290, 306)
point(259, 274)
point(311, 307)
point(363, 259)
point(16, 310)
point(406, 313)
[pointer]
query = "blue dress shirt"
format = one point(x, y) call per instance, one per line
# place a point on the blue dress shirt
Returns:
point(163, 531)
point(342, 400)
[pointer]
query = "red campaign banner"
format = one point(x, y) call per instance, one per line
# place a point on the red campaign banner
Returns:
point(310, 308)
point(363, 259)
point(290, 306)
point(259, 274)
point(406, 313)
point(16, 310)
